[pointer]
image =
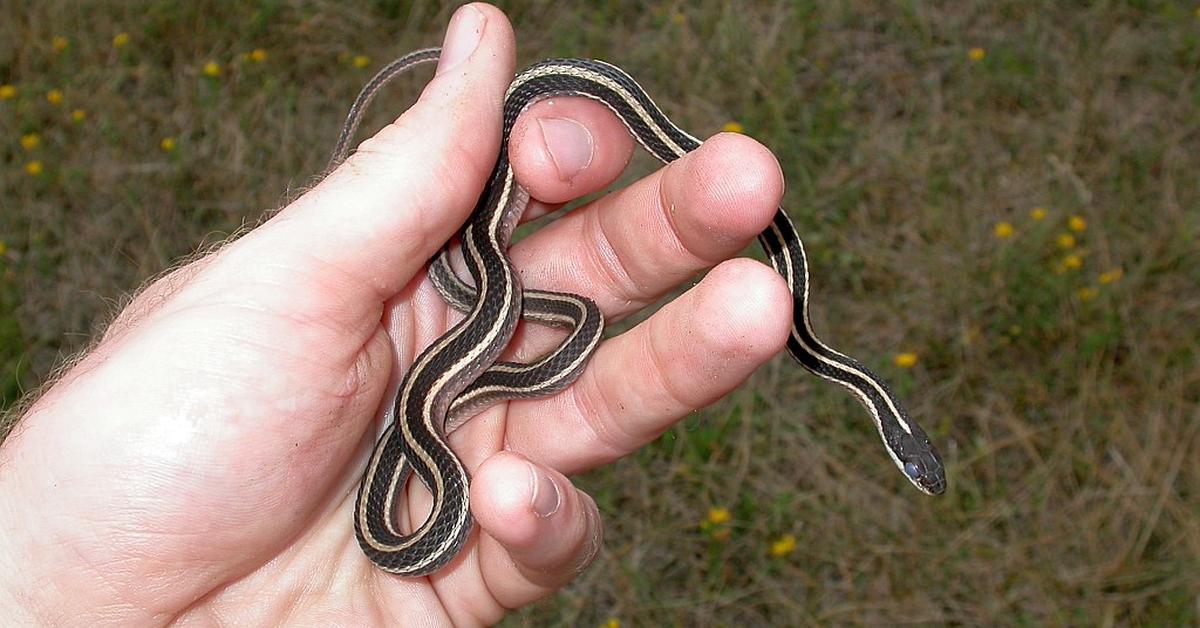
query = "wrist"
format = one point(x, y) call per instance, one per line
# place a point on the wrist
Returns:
point(18, 604)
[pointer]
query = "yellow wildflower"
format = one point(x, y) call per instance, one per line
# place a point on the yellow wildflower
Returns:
point(1111, 276)
point(1072, 262)
point(167, 144)
point(361, 61)
point(78, 115)
point(1037, 213)
point(1003, 230)
point(30, 141)
point(120, 40)
point(34, 168)
point(715, 524)
point(59, 43)
point(976, 54)
point(54, 96)
point(7, 91)
point(1015, 330)
point(733, 127)
point(905, 360)
point(718, 516)
point(1087, 293)
point(785, 545)
point(212, 69)
point(1076, 223)
point(258, 55)
point(611, 622)
point(3, 248)
point(1065, 241)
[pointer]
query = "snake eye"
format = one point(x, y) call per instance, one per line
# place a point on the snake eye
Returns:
point(911, 470)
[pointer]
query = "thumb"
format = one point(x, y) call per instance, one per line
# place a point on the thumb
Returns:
point(381, 215)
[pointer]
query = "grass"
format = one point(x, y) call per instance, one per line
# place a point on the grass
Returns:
point(1068, 407)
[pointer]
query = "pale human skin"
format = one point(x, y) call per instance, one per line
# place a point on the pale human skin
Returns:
point(199, 464)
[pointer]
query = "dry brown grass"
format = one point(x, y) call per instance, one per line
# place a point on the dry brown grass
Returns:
point(1070, 424)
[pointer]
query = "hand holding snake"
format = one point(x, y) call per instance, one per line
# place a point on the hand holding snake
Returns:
point(212, 442)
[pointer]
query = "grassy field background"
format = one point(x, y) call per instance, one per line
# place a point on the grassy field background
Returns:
point(1006, 190)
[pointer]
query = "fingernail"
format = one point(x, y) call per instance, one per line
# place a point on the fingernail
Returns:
point(545, 499)
point(569, 143)
point(462, 37)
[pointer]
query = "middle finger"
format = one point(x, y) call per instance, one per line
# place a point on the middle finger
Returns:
point(628, 248)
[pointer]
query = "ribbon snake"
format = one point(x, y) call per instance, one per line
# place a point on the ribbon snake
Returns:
point(458, 375)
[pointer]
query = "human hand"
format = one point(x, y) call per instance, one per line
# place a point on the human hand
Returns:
point(199, 464)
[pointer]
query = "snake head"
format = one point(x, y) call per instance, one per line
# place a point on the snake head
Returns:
point(920, 462)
